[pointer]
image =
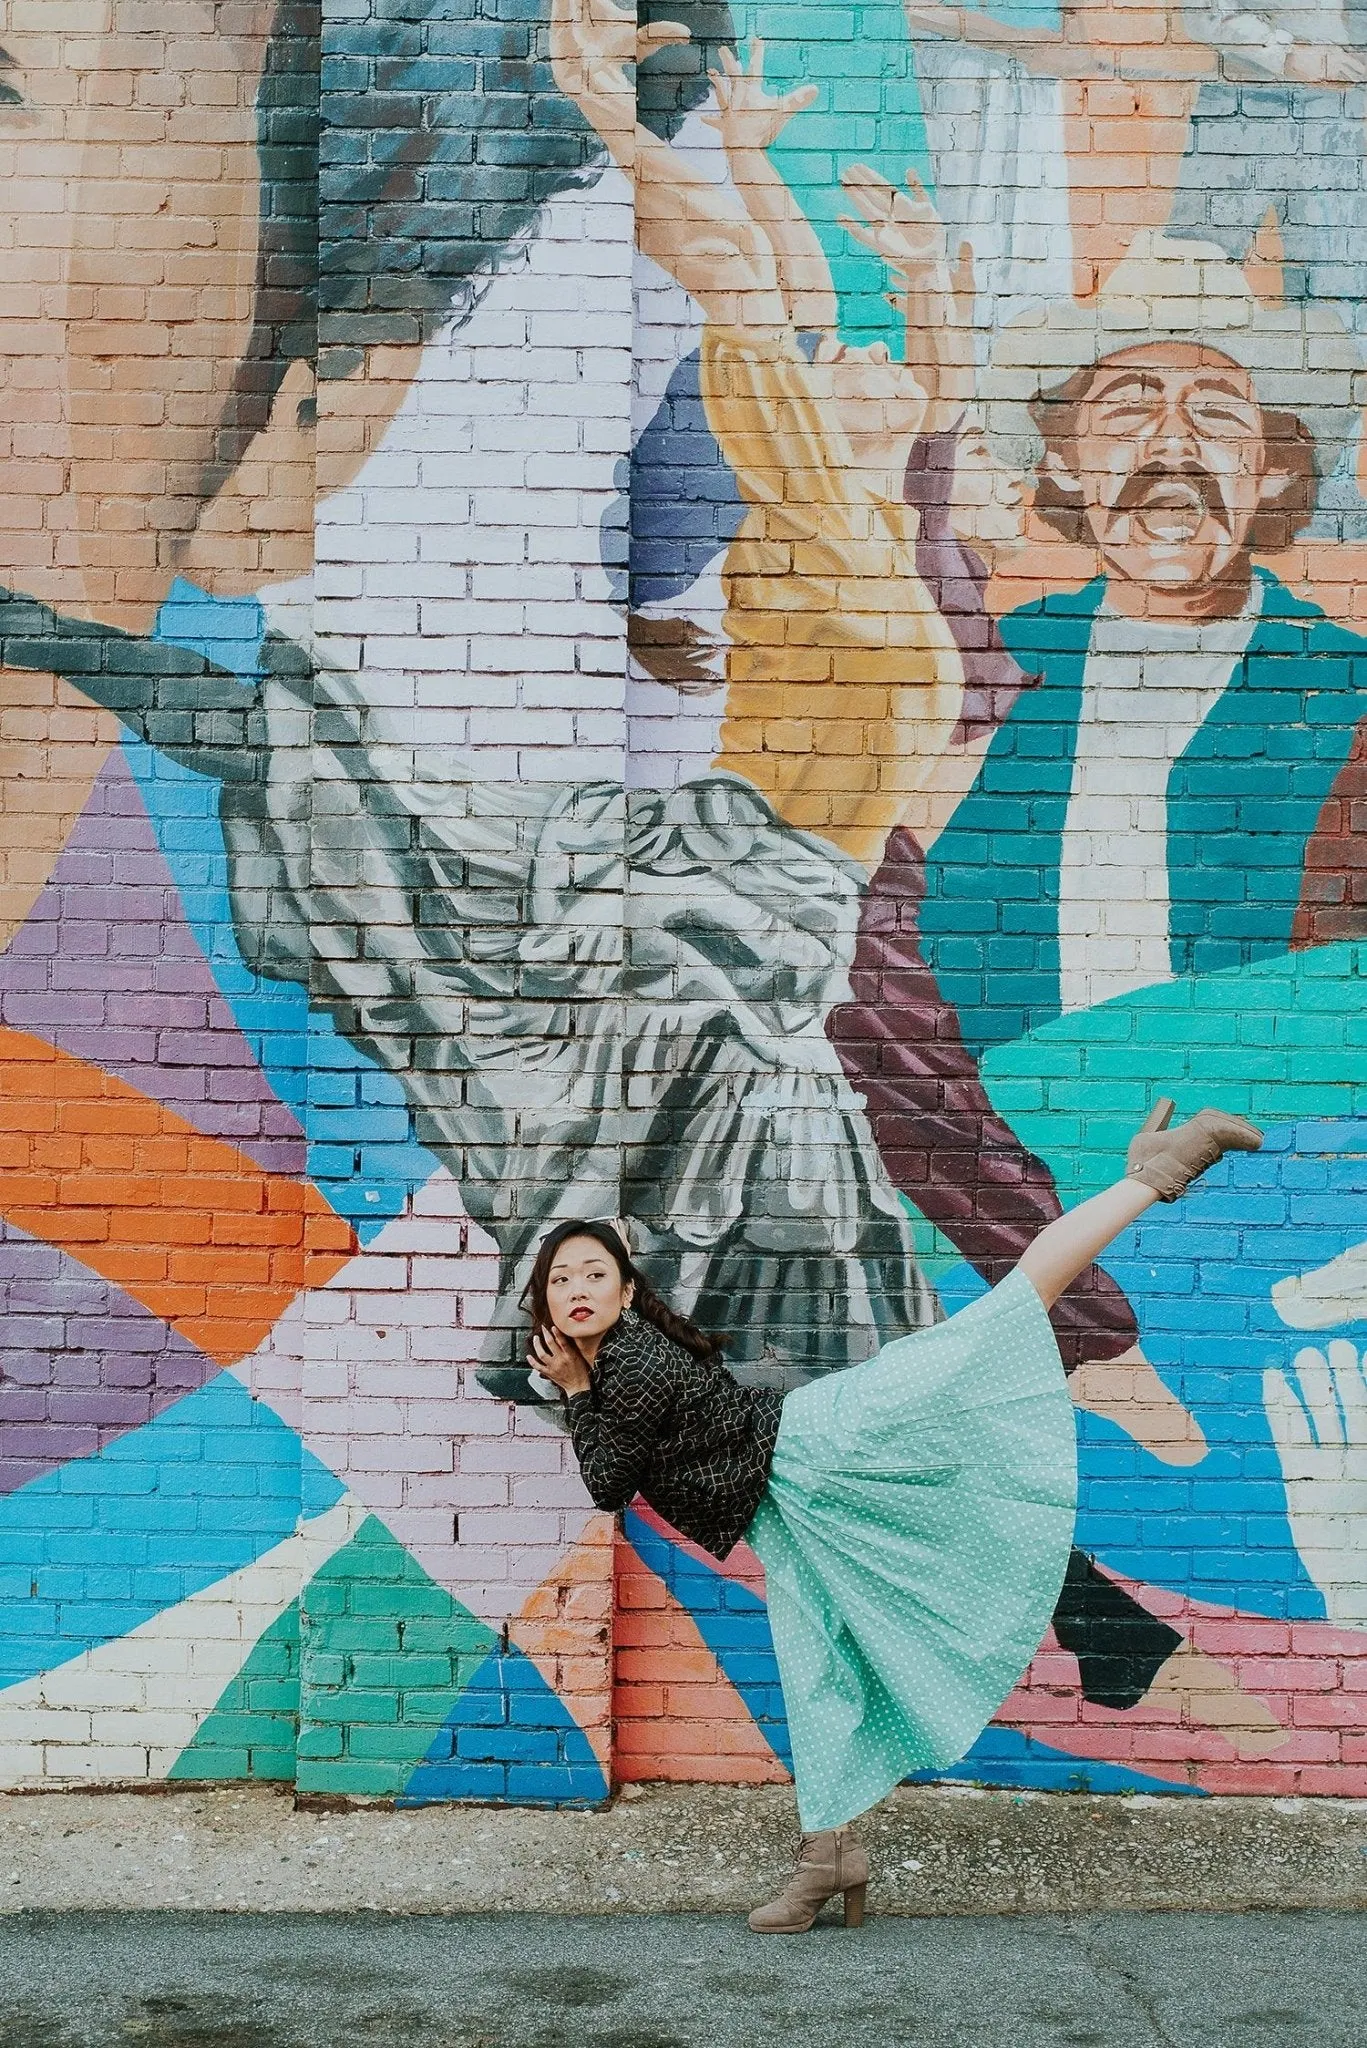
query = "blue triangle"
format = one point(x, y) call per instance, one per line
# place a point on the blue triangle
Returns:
point(102, 1544)
point(509, 1737)
point(1007, 1756)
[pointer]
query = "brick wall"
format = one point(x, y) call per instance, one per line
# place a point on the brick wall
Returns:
point(469, 759)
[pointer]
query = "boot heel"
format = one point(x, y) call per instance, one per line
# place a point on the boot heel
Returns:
point(854, 1905)
point(1158, 1118)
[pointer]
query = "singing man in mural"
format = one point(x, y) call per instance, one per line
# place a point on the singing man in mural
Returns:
point(1149, 808)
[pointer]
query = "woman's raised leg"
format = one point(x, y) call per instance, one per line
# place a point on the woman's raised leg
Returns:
point(1161, 1166)
point(1068, 1246)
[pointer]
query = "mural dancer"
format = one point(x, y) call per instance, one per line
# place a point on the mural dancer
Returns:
point(483, 915)
point(913, 1515)
point(845, 681)
point(806, 647)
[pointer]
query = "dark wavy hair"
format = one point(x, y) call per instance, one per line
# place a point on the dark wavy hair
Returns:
point(645, 1300)
point(403, 146)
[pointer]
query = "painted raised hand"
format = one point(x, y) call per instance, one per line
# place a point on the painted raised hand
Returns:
point(901, 227)
point(1319, 1426)
point(748, 117)
point(594, 45)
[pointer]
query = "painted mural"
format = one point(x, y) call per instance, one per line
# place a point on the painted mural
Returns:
point(748, 621)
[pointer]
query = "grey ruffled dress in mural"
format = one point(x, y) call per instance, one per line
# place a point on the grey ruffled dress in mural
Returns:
point(597, 1003)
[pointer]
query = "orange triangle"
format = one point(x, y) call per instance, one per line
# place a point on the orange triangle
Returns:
point(187, 1225)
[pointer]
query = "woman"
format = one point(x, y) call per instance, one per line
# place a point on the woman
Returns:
point(913, 1514)
point(844, 682)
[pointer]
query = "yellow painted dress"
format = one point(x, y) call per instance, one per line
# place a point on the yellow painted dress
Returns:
point(844, 681)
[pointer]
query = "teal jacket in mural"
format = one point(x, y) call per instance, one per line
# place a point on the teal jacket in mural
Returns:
point(1243, 801)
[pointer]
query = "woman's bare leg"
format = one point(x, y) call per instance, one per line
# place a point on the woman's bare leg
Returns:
point(1068, 1246)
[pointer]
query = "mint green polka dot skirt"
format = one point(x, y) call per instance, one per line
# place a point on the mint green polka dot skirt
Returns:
point(914, 1536)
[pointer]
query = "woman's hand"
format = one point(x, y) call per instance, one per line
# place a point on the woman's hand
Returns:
point(558, 1361)
point(901, 227)
point(747, 117)
point(594, 45)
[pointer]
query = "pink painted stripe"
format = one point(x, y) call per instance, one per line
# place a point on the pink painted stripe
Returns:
point(742, 1566)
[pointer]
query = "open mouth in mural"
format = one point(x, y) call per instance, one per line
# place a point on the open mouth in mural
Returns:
point(1170, 507)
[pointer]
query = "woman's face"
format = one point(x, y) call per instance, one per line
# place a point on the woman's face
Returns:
point(584, 1291)
point(880, 405)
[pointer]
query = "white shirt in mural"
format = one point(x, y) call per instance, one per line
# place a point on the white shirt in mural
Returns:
point(1147, 690)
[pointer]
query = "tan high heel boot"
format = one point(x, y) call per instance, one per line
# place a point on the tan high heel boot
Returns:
point(1169, 1161)
point(826, 1864)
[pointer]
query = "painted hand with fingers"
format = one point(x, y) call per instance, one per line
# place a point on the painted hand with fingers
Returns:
point(901, 227)
point(594, 45)
point(1319, 1426)
point(748, 117)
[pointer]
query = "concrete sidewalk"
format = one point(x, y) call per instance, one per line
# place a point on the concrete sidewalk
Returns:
point(690, 1849)
point(516, 1980)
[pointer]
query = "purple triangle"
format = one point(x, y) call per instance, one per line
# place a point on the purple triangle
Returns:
point(106, 967)
point(80, 1362)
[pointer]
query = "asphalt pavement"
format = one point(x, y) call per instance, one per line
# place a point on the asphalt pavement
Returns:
point(512, 1980)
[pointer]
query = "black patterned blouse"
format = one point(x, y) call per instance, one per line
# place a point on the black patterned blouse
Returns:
point(676, 1429)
